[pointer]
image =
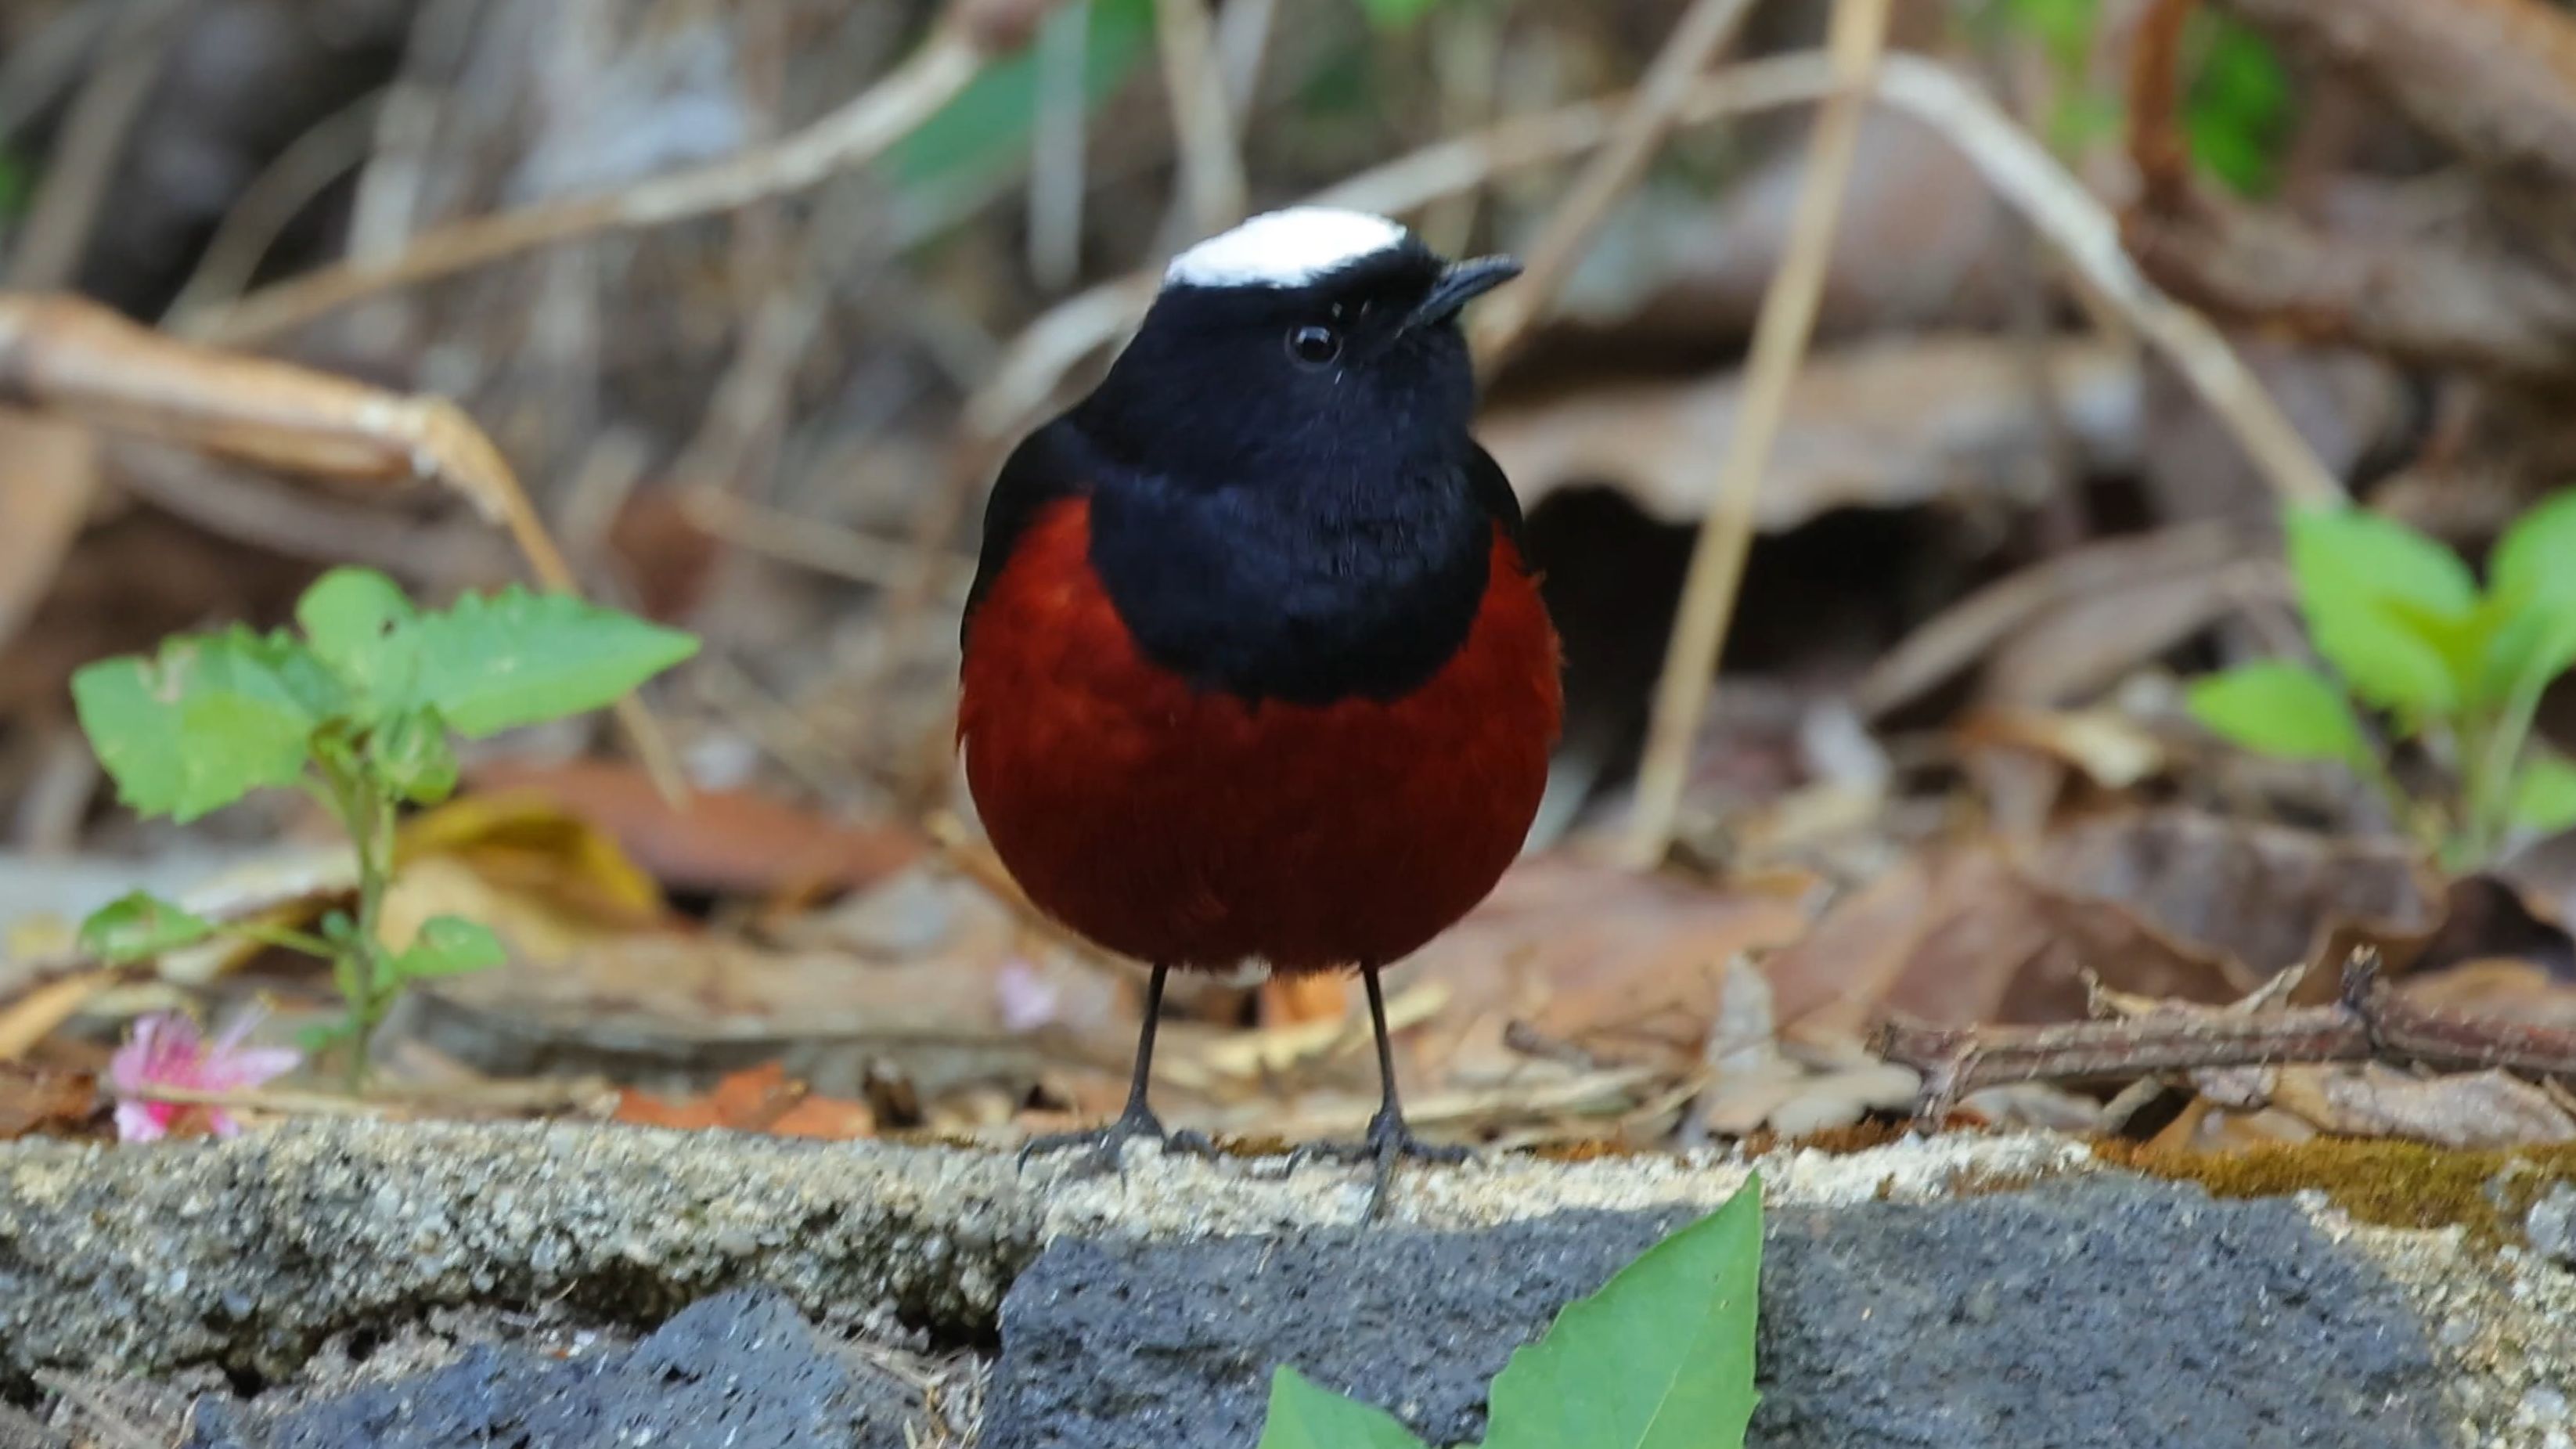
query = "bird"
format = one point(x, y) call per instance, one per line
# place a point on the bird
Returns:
point(1256, 673)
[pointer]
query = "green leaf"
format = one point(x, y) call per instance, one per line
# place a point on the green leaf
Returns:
point(2544, 794)
point(987, 126)
point(357, 622)
point(2280, 709)
point(2238, 109)
point(518, 658)
point(1303, 1416)
point(411, 754)
point(2537, 554)
point(140, 925)
point(2532, 587)
point(207, 721)
point(1660, 1358)
point(2376, 595)
point(450, 946)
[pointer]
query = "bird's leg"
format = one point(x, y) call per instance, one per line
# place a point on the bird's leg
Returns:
point(1138, 1120)
point(1389, 1140)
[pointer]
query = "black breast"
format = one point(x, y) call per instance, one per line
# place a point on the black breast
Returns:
point(1267, 594)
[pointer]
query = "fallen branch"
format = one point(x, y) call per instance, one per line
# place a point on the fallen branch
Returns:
point(2369, 1022)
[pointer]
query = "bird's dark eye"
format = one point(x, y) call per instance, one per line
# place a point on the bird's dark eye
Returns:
point(1314, 345)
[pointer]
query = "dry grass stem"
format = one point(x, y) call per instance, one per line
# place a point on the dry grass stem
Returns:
point(1650, 115)
point(1779, 342)
point(1212, 184)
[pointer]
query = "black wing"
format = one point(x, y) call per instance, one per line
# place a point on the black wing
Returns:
point(1048, 465)
point(1493, 493)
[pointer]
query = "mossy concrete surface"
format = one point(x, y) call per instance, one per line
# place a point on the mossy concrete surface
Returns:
point(246, 1254)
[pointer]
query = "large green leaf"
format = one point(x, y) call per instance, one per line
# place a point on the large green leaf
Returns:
point(2383, 604)
point(2538, 552)
point(2531, 578)
point(517, 658)
point(2544, 794)
point(2280, 709)
point(1303, 1416)
point(208, 720)
point(1660, 1358)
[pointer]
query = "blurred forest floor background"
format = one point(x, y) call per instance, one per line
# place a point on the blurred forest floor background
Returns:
point(753, 297)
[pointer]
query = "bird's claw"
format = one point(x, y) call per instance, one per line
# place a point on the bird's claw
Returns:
point(1389, 1142)
point(1105, 1147)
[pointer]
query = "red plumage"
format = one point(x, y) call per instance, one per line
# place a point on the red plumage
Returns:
point(1189, 827)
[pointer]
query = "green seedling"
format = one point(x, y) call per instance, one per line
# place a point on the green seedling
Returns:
point(2237, 106)
point(360, 710)
point(2415, 645)
point(1660, 1358)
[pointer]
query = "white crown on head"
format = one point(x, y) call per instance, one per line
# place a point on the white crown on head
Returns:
point(1284, 248)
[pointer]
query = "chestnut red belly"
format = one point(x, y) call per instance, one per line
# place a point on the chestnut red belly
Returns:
point(1192, 828)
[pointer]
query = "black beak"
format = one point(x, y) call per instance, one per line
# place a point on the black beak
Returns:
point(1462, 283)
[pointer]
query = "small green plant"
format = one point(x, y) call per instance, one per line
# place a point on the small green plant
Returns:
point(359, 711)
point(2450, 668)
point(1660, 1358)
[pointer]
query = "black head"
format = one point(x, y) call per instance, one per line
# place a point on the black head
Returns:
point(1285, 502)
point(1301, 345)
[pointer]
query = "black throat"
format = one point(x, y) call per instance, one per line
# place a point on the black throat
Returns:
point(1322, 578)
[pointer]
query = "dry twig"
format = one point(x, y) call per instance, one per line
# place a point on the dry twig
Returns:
point(1779, 342)
point(1702, 32)
point(2369, 1022)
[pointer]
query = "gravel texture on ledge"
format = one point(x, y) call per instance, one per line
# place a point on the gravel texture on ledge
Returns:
point(247, 1253)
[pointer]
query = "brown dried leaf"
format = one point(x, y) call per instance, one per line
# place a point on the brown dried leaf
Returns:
point(2166, 904)
point(726, 840)
point(34, 1099)
point(755, 1099)
point(1619, 964)
point(1886, 425)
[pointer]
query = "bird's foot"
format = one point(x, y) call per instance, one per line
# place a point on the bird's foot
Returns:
point(1104, 1148)
point(1389, 1142)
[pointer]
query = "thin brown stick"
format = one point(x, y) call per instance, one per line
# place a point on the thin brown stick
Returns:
point(1701, 33)
point(85, 361)
point(2371, 1021)
point(2156, 145)
point(1780, 335)
point(851, 136)
point(1212, 184)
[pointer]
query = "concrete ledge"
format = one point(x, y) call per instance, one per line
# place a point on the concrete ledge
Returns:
point(247, 1254)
